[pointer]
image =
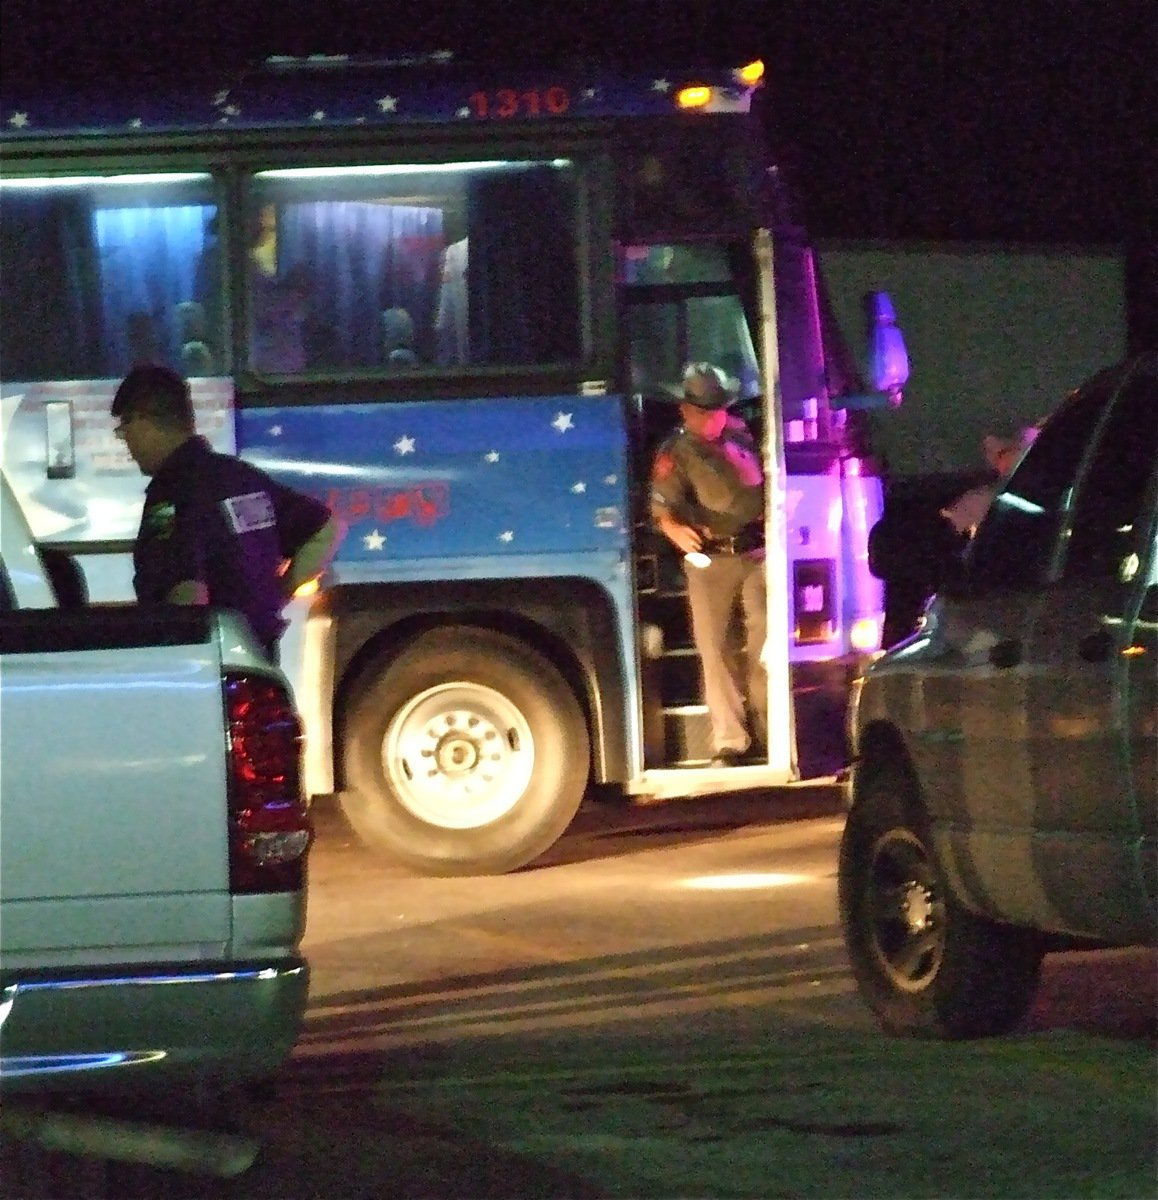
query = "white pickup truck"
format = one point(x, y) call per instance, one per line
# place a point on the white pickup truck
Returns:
point(152, 843)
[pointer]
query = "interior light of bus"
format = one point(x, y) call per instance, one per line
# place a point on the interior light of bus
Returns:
point(74, 181)
point(865, 634)
point(751, 73)
point(392, 169)
point(696, 96)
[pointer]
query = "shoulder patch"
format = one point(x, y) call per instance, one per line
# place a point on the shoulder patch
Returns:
point(250, 512)
point(159, 520)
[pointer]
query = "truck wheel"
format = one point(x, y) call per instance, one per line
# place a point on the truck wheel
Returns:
point(468, 755)
point(925, 966)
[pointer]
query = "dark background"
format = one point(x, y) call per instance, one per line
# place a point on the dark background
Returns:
point(948, 120)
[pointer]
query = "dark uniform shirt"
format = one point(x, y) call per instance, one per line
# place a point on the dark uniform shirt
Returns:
point(715, 486)
point(215, 519)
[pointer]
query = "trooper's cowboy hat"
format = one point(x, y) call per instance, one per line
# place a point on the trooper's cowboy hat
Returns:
point(705, 386)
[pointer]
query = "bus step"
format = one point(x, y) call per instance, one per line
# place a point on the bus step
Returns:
point(680, 679)
point(687, 734)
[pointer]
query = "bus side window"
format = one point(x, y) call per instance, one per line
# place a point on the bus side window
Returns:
point(94, 272)
point(450, 265)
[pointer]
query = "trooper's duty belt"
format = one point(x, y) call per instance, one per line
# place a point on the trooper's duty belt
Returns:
point(750, 538)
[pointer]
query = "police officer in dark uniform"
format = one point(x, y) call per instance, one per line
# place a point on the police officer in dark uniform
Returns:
point(215, 530)
point(707, 499)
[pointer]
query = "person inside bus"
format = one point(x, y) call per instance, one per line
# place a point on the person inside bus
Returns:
point(398, 338)
point(214, 529)
point(707, 499)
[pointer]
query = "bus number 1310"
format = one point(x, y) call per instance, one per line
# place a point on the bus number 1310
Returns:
point(506, 102)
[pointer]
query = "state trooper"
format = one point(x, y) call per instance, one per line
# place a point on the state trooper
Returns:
point(707, 499)
point(214, 530)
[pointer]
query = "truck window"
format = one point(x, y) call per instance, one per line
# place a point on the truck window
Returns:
point(1015, 545)
point(1114, 489)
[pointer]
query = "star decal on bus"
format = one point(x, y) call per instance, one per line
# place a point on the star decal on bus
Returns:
point(661, 85)
point(374, 540)
point(611, 480)
point(18, 120)
point(507, 535)
point(463, 112)
point(136, 123)
point(563, 422)
point(404, 445)
point(388, 104)
point(275, 431)
point(579, 488)
point(492, 456)
point(318, 114)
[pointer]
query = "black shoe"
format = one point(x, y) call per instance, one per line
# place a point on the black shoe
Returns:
point(728, 758)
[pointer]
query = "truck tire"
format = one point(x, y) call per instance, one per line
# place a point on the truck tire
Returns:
point(926, 966)
point(467, 755)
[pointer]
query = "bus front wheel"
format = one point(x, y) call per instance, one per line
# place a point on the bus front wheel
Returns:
point(467, 755)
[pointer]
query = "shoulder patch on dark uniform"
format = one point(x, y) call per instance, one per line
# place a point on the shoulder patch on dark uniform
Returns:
point(250, 512)
point(160, 519)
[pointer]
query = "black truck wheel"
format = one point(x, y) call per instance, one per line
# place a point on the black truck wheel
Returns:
point(467, 755)
point(926, 966)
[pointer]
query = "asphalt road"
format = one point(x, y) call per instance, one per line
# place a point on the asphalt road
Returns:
point(662, 1008)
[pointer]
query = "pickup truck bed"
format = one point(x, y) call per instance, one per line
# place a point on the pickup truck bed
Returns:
point(152, 847)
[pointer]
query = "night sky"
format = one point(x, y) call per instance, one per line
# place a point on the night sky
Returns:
point(939, 119)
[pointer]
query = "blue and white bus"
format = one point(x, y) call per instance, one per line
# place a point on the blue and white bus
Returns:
point(446, 304)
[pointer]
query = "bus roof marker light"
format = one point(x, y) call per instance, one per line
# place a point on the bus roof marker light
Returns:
point(694, 96)
point(751, 73)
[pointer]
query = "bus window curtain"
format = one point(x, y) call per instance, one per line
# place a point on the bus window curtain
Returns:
point(50, 315)
point(358, 260)
point(521, 281)
point(149, 258)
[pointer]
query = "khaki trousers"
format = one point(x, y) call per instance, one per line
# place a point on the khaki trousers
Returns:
point(728, 604)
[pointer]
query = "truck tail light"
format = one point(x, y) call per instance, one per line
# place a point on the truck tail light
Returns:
point(269, 825)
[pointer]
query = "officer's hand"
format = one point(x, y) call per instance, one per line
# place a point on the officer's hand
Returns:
point(684, 537)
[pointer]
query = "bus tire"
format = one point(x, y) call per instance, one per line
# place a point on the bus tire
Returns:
point(467, 755)
point(924, 964)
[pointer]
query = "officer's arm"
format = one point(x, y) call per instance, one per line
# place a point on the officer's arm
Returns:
point(312, 557)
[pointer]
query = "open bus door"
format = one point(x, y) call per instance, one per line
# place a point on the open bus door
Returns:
point(682, 304)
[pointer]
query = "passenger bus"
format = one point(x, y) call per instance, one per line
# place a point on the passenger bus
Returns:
point(448, 305)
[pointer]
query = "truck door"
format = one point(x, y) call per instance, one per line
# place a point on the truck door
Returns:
point(1092, 681)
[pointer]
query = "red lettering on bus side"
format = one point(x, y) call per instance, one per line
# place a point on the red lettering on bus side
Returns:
point(431, 503)
point(479, 102)
point(557, 100)
point(394, 506)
